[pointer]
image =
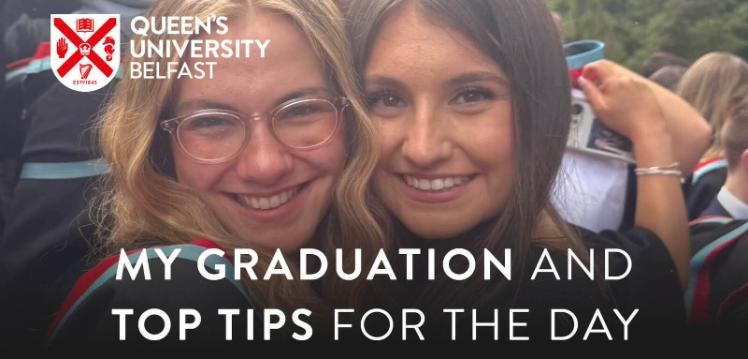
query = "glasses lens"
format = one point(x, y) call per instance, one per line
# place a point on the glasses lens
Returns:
point(211, 136)
point(306, 123)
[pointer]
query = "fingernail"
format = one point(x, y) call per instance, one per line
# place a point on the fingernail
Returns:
point(591, 77)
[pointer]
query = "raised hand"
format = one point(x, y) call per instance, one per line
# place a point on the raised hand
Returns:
point(624, 103)
point(62, 47)
point(629, 104)
point(691, 134)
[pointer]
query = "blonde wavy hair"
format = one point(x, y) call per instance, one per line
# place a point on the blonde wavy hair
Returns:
point(141, 204)
point(713, 85)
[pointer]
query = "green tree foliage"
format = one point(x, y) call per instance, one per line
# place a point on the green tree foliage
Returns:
point(634, 29)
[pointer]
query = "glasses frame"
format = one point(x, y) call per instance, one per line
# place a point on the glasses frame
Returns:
point(172, 125)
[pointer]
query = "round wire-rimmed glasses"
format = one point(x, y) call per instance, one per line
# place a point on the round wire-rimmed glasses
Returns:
point(216, 135)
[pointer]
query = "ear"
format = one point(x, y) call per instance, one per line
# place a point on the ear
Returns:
point(744, 160)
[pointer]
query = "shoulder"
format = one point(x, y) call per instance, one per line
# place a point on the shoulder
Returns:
point(635, 237)
point(709, 170)
point(88, 308)
point(544, 293)
point(646, 252)
point(707, 229)
point(565, 285)
point(718, 282)
point(644, 249)
point(704, 185)
point(652, 282)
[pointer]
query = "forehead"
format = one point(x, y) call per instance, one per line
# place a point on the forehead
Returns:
point(290, 64)
point(410, 43)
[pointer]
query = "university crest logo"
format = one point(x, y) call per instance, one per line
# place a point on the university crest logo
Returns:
point(85, 49)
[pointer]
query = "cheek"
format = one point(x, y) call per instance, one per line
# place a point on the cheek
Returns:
point(493, 149)
point(390, 136)
point(198, 176)
point(389, 133)
point(331, 157)
point(497, 138)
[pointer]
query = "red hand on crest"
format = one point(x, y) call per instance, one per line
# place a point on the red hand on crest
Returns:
point(77, 41)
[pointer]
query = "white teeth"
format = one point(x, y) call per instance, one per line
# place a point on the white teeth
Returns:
point(424, 184)
point(265, 203)
point(439, 184)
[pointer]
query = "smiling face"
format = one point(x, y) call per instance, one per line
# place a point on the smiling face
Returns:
point(269, 195)
point(445, 118)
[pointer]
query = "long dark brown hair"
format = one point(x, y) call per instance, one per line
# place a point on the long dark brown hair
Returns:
point(520, 36)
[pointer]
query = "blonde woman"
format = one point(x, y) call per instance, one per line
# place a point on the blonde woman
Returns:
point(714, 84)
point(271, 153)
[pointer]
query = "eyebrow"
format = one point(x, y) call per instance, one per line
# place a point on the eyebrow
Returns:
point(460, 80)
point(383, 81)
point(198, 104)
point(478, 76)
point(304, 92)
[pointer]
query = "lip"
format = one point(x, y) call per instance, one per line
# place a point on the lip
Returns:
point(442, 196)
point(270, 193)
point(275, 214)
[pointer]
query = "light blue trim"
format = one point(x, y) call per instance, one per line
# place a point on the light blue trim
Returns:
point(708, 168)
point(188, 251)
point(596, 52)
point(40, 65)
point(698, 260)
point(64, 170)
point(34, 67)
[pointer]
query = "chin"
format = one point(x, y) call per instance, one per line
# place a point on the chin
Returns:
point(430, 230)
point(443, 224)
point(286, 241)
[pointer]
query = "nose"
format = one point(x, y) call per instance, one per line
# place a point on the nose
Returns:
point(426, 141)
point(264, 160)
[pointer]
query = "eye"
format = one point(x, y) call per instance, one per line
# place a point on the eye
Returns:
point(472, 95)
point(306, 113)
point(385, 99)
point(207, 122)
point(303, 110)
point(210, 125)
point(385, 103)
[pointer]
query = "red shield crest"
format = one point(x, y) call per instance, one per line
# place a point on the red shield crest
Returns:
point(85, 49)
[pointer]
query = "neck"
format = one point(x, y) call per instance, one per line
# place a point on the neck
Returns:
point(737, 185)
point(406, 238)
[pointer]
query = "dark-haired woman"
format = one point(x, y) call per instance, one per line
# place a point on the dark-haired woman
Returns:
point(472, 103)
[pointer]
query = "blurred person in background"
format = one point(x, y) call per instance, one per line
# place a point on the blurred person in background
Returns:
point(668, 76)
point(717, 294)
point(713, 85)
point(50, 163)
point(661, 59)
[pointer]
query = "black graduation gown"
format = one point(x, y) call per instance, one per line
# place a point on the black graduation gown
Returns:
point(719, 266)
point(86, 321)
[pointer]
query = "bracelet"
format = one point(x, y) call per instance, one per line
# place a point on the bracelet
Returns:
point(670, 170)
